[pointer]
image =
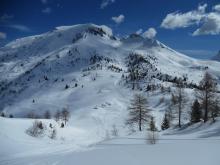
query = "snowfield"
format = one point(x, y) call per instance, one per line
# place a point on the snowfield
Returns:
point(83, 68)
point(198, 144)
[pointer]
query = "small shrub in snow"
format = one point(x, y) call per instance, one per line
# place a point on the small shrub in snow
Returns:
point(107, 136)
point(152, 137)
point(53, 133)
point(37, 129)
point(114, 131)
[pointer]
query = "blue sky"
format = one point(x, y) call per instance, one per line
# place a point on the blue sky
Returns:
point(192, 27)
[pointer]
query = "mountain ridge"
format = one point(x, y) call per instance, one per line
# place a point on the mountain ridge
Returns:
point(36, 67)
point(216, 57)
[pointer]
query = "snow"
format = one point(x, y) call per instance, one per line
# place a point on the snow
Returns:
point(95, 105)
point(181, 147)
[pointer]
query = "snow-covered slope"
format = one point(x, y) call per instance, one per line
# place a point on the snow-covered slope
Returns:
point(81, 67)
point(39, 67)
point(174, 147)
point(85, 68)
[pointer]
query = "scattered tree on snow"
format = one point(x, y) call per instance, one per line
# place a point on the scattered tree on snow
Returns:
point(36, 130)
point(53, 133)
point(2, 114)
point(138, 111)
point(114, 130)
point(215, 109)
point(65, 114)
point(206, 94)
point(152, 135)
point(180, 98)
point(196, 113)
point(166, 123)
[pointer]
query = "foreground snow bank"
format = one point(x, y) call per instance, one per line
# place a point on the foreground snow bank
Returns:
point(72, 146)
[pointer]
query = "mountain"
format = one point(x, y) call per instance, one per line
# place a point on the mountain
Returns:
point(94, 74)
point(216, 57)
point(89, 61)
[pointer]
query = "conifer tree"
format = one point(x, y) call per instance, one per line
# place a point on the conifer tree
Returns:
point(166, 123)
point(196, 113)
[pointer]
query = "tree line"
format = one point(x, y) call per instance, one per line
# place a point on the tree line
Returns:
point(206, 106)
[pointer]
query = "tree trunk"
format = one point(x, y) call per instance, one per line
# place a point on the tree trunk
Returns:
point(180, 109)
point(140, 120)
point(179, 117)
point(206, 107)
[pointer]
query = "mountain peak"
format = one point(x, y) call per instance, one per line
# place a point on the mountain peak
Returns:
point(217, 56)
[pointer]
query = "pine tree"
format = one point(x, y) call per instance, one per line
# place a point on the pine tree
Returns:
point(62, 125)
point(67, 86)
point(139, 111)
point(166, 123)
point(196, 113)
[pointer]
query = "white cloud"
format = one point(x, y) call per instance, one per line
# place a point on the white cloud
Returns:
point(210, 25)
point(18, 27)
point(6, 17)
point(119, 19)
point(139, 31)
point(44, 1)
point(202, 8)
point(3, 35)
point(182, 20)
point(216, 7)
point(106, 3)
point(150, 33)
point(47, 10)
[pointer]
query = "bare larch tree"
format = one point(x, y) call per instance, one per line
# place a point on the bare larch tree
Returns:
point(180, 97)
point(206, 94)
point(138, 111)
point(65, 115)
